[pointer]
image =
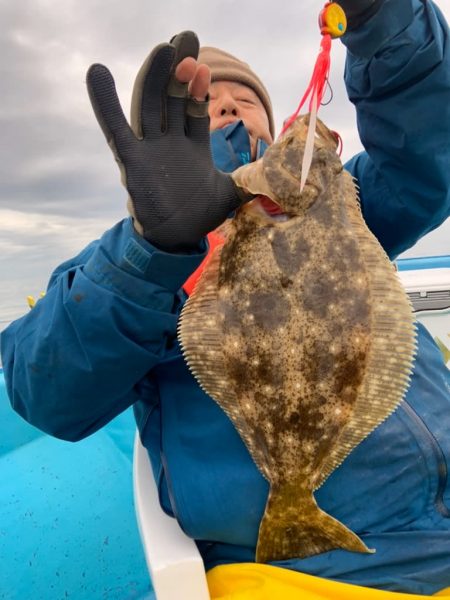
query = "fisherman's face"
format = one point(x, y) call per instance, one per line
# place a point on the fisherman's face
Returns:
point(231, 101)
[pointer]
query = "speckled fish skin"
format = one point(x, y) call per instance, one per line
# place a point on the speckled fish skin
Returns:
point(287, 346)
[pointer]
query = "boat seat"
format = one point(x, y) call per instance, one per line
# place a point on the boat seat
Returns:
point(174, 562)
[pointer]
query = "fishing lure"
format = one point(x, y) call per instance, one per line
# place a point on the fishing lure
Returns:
point(333, 24)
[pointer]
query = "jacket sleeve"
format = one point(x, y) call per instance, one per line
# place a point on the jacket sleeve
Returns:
point(78, 358)
point(398, 76)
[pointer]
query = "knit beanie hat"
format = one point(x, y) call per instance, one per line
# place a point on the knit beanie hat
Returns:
point(226, 67)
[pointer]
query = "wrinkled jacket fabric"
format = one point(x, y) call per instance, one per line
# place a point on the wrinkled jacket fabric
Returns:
point(104, 338)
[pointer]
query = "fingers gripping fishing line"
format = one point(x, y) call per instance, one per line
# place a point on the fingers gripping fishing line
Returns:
point(333, 24)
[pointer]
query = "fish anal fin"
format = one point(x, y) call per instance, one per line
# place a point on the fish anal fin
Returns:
point(393, 342)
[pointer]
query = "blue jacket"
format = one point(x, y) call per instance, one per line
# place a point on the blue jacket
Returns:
point(104, 338)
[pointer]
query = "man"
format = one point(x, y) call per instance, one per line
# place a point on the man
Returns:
point(104, 337)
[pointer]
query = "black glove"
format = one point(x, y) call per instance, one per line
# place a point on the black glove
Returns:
point(177, 194)
point(359, 11)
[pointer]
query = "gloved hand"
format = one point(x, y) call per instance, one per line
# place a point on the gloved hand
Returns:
point(177, 195)
point(359, 11)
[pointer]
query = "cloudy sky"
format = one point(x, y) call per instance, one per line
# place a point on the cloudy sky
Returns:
point(59, 185)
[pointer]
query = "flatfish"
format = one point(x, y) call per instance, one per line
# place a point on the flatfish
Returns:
point(301, 331)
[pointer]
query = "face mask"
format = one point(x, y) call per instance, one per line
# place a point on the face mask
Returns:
point(231, 149)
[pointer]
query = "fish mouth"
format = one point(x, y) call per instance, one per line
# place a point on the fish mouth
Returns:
point(269, 208)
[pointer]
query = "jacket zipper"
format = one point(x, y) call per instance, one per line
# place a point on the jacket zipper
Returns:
point(438, 455)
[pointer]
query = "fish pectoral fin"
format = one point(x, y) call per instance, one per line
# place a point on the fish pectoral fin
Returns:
point(302, 531)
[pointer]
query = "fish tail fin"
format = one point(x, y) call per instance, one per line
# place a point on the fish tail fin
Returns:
point(300, 531)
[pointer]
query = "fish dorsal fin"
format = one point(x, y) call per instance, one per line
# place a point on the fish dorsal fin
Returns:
point(393, 345)
point(200, 332)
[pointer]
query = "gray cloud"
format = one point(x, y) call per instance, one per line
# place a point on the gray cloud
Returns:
point(59, 184)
